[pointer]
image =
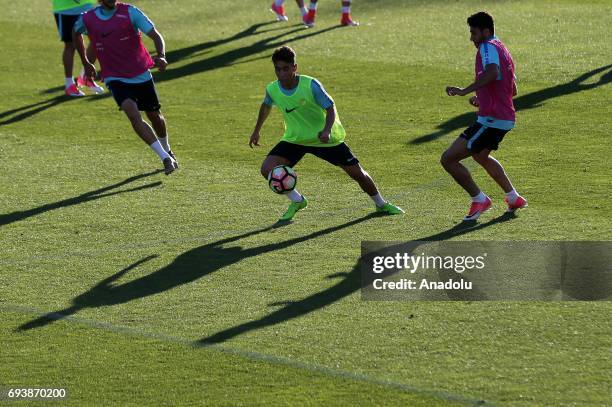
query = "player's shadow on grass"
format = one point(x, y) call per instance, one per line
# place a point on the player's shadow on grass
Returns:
point(524, 102)
point(222, 60)
point(178, 55)
point(349, 283)
point(186, 268)
point(232, 56)
point(105, 192)
point(26, 111)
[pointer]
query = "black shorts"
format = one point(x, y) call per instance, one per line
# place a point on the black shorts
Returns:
point(480, 137)
point(144, 94)
point(65, 23)
point(337, 155)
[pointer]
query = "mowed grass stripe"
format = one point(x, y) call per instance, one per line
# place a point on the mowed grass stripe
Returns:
point(250, 355)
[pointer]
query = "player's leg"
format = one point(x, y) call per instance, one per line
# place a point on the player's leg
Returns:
point(270, 162)
point(286, 154)
point(342, 156)
point(346, 14)
point(68, 59)
point(126, 95)
point(494, 169)
point(278, 8)
point(64, 27)
point(303, 10)
point(497, 172)
point(142, 128)
point(365, 181)
point(309, 19)
point(158, 121)
point(451, 161)
point(146, 133)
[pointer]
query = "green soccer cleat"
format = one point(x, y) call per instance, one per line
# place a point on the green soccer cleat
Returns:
point(390, 209)
point(293, 208)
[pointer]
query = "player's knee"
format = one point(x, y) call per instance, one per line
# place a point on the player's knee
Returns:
point(356, 172)
point(265, 169)
point(481, 158)
point(156, 116)
point(445, 159)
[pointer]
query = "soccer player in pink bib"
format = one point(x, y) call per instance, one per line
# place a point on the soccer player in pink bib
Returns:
point(115, 30)
point(309, 14)
point(495, 87)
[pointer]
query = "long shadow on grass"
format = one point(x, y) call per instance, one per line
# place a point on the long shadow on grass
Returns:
point(26, 111)
point(525, 102)
point(350, 282)
point(86, 197)
point(186, 268)
point(222, 60)
point(231, 57)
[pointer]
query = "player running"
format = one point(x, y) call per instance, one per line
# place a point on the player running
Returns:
point(495, 86)
point(116, 29)
point(309, 14)
point(311, 126)
point(66, 12)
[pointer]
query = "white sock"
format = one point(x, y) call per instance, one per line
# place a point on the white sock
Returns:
point(313, 6)
point(164, 143)
point(512, 195)
point(279, 3)
point(378, 200)
point(82, 74)
point(69, 82)
point(346, 9)
point(295, 196)
point(304, 11)
point(481, 197)
point(159, 150)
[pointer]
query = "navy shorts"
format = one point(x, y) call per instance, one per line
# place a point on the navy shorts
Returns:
point(480, 137)
point(65, 23)
point(336, 155)
point(144, 94)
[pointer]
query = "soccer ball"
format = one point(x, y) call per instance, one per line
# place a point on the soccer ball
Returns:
point(282, 179)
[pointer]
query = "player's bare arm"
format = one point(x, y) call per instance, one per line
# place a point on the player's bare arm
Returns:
point(160, 48)
point(264, 112)
point(324, 135)
point(491, 73)
point(79, 45)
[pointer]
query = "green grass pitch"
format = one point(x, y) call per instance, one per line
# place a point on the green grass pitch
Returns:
point(176, 291)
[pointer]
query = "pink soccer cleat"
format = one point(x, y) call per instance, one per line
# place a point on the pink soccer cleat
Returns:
point(478, 208)
point(309, 18)
point(73, 91)
point(519, 203)
point(279, 11)
point(90, 84)
point(348, 21)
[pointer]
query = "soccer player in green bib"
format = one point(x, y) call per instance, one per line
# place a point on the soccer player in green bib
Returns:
point(312, 126)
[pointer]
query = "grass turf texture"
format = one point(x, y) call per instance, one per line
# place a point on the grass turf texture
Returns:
point(148, 266)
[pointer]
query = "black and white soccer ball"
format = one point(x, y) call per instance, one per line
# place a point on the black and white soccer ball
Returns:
point(282, 179)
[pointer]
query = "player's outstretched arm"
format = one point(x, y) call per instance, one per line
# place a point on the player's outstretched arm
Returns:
point(160, 48)
point(264, 112)
point(79, 45)
point(491, 73)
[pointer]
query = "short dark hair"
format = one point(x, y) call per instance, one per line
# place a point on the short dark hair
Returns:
point(285, 54)
point(482, 20)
